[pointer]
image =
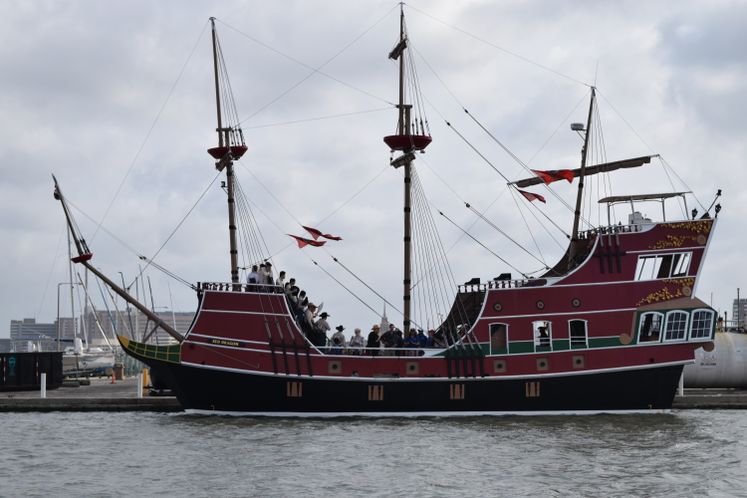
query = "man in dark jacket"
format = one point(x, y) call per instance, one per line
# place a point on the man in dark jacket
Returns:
point(373, 341)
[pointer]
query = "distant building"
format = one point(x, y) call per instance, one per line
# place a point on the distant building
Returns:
point(27, 334)
point(5, 345)
point(739, 312)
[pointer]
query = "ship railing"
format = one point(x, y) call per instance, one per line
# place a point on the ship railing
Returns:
point(229, 287)
point(381, 352)
point(503, 284)
point(611, 229)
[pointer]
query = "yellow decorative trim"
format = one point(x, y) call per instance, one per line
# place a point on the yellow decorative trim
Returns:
point(673, 241)
point(702, 226)
point(662, 295)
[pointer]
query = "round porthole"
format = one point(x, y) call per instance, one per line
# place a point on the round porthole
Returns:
point(576, 302)
point(540, 305)
point(497, 307)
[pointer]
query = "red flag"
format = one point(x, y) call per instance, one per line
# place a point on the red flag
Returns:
point(313, 231)
point(532, 196)
point(307, 242)
point(554, 175)
point(318, 233)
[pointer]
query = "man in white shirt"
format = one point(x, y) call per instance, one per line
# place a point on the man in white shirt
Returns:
point(253, 276)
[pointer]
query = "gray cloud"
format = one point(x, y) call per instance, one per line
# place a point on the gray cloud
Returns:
point(82, 84)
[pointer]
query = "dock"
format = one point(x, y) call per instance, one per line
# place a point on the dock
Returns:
point(101, 395)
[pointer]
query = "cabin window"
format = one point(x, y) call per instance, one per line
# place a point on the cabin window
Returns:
point(578, 333)
point(680, 264)
point(702, 324)
point(498, 338)
point(542, 330)
point(650, 327)
point(662, 266)
point(676, 326)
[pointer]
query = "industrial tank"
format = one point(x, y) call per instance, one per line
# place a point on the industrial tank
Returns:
point(724, 366)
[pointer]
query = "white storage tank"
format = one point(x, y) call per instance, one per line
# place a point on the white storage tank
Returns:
point(724, 366)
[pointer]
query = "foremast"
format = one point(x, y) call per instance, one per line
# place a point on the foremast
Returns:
point(411, 136)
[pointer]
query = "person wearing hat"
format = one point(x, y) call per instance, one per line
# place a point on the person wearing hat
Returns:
point(321, 326)
point(338, 340)
point(356, 343)
point(373, 344)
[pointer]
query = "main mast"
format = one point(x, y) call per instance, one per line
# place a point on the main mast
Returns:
point(230, 146)
point(408, 139)
point(582, 173)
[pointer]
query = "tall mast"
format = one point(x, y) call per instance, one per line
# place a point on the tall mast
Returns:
point(582, 172)
point(225, 153)
point(407, 142)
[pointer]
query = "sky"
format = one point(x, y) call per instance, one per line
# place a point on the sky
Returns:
point(116, 99)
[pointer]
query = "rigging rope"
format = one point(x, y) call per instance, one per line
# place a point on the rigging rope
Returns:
point(483, 245)
point(314, 70)
point(148, 134)
point(506, 51)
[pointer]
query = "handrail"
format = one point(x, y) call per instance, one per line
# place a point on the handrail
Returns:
point(229, 287)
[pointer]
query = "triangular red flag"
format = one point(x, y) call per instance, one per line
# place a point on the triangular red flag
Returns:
point(554, 175)
point(530, 196)
point(318, 233)
point(307, 242)
point(313, 231)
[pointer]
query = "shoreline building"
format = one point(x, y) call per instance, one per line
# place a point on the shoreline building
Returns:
point(29, 335)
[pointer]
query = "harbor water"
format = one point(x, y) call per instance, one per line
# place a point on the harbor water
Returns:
point(685, 453)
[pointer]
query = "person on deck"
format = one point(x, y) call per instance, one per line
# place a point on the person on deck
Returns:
point(338, 340)
point(389, 338)
point(290, 285)
point(422, 339)
point(281, 279)
point(253, 277)
point(268, 278)
point(373, 344)
point(355, 346)
point(322, 327)
point(308, 315)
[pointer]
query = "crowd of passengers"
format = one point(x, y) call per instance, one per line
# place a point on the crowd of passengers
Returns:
point(313, 322)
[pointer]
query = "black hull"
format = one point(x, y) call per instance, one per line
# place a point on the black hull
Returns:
point(214, 390)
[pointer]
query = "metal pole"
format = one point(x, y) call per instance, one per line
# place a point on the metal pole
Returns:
point(43, 386)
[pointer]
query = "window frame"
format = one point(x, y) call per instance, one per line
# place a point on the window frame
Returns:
point(711, 314)
point(537, 339)
point(678, 264)
point(641, 320)
point(685, 327)
point(490, 337)
point(586, 334)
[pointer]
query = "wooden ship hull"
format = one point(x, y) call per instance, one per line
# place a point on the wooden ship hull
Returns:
point(245, 352)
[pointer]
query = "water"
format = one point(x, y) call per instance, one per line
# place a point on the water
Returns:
point(688, 453)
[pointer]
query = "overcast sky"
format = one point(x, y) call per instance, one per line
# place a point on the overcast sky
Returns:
point(110, 94)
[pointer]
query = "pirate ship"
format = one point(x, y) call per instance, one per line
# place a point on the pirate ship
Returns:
point(608, 328)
